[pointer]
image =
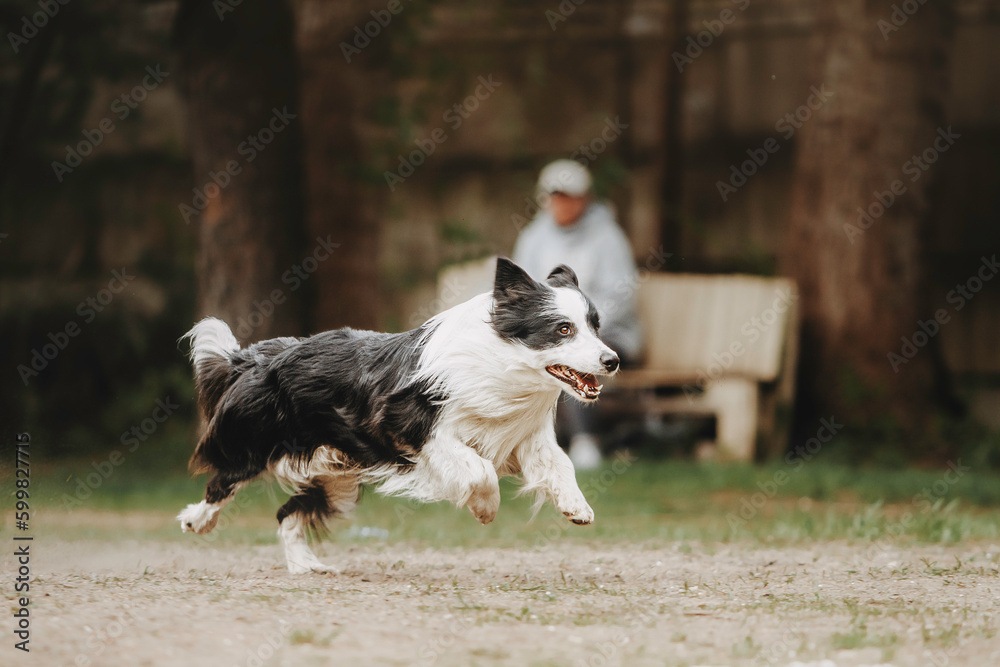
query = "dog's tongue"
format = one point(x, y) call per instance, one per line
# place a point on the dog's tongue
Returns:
point(588, 379)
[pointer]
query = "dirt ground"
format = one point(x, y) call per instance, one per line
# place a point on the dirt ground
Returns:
point(188, 603)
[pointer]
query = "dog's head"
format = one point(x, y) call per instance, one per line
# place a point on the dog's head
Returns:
point(555, 324)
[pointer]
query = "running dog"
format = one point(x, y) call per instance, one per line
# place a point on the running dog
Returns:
point(437, 413)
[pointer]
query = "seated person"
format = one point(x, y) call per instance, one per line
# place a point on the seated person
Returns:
point(574, 229)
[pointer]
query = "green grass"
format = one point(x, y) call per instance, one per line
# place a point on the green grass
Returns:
point(644, 501)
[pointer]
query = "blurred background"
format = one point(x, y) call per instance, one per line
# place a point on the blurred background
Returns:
point(295, 166)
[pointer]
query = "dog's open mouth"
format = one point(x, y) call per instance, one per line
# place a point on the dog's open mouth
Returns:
point(584, 384)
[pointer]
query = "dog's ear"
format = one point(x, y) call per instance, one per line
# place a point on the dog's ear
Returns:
point(562, 276)
point(511, 279)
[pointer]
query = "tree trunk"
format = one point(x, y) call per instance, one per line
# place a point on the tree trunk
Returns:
point(672, 155)
point(340, 203)
point(239, 73)
point(863, 283)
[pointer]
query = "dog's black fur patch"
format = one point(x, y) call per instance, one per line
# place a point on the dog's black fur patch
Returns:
point(313, 504)
point(525, 309)
point(345, 389)
point(212, 377)
point(563, 276)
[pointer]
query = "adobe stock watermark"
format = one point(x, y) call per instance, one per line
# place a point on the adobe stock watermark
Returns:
point(59, 340)
point(610, 132)
point(795, 459)
point(901, 13)
point(248, 149)
point(455, 116)
point(925, 502)
point(656, 259)
point(98, 641)
point(223, 7)
point(780, 649)
point(261, 655)
point(431, 650)
point(914, 168)
point(608, 652)
point(786, 126)
point(532, 205)
point(133, 439)
point(122, 107)
point(448, 296)
point(294, 278)
point(372, 29)
point(751, 331)
point(565, 9)
point(696, 44)
point(31, 25)
point(929, 328)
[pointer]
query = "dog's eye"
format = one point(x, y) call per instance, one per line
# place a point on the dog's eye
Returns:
point(565, 330)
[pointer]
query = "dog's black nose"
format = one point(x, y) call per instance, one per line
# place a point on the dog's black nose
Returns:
point(610, 361)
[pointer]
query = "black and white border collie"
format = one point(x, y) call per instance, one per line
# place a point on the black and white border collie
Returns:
point(437, 413)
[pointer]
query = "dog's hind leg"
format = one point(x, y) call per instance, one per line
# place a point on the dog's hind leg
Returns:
point(201, 517)
point(322, 498)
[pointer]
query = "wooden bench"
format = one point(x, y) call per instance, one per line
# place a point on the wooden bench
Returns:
point(728, 346)
point(722, 345)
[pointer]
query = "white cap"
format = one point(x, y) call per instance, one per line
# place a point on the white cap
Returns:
point(566, 176)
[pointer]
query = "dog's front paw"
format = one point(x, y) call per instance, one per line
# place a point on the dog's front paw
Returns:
point(484, 503)
point(581, 514)
point(198, 518)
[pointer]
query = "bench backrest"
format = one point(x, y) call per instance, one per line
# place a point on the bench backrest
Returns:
point(729, 324)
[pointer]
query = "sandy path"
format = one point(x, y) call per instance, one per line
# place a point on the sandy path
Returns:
point(184, 603)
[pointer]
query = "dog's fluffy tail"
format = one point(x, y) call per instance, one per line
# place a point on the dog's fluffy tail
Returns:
point(212, 348)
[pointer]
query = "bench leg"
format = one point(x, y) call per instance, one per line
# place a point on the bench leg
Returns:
point(734, 401)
